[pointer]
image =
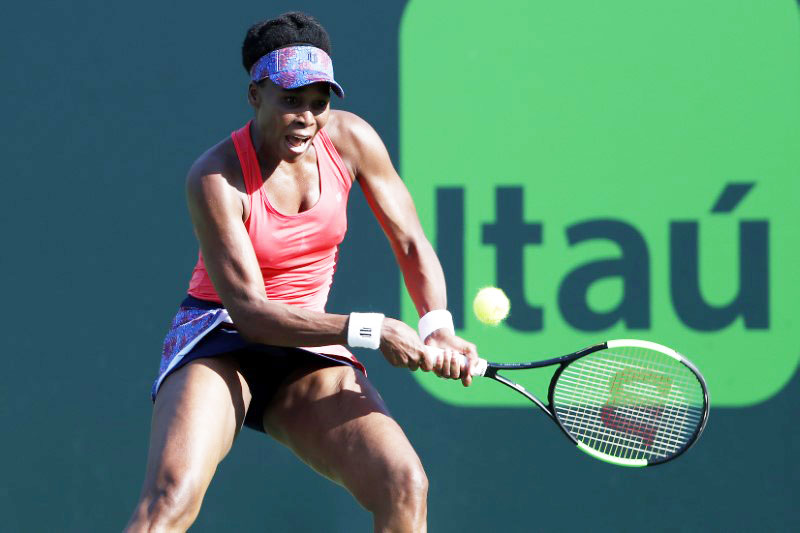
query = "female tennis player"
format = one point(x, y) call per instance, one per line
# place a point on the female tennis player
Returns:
point(252, 344)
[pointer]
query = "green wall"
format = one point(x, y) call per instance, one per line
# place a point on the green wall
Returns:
point(105, 105)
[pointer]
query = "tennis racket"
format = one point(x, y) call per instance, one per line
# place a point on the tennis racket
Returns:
point(627, 402)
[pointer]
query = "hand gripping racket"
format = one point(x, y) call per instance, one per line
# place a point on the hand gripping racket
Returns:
point(627, 402)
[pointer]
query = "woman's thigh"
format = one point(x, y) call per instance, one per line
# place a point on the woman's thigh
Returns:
point(335, 421)
point(197, 414)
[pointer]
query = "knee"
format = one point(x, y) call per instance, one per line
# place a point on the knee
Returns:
point(407, 485)
point(170, 504)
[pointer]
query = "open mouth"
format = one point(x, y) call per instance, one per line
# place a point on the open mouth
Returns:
point(297, 143)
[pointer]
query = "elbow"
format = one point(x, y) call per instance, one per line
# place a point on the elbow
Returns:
point(248, 333)
point(249, 316)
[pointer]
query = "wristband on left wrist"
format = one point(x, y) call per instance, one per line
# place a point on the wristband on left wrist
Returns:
point(434, 321)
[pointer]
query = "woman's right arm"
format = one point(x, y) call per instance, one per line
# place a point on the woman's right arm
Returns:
point(216, 209)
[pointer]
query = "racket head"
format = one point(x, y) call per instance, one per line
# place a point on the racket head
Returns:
point(630, 403)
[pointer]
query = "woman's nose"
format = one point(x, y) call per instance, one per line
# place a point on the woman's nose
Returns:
point(306, 117)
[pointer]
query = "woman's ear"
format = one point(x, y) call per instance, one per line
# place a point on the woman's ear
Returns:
point(253, 95)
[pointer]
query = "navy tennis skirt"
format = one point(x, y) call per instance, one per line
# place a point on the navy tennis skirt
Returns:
point(204, 329)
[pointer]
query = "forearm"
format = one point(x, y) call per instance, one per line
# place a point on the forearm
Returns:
point(425, 281)
point(260, 320)
point(423, 275)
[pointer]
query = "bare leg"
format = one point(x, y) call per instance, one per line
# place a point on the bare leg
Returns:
point(198, 412)
point(336, 422)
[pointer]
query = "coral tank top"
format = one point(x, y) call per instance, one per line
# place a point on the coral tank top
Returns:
point(296, 253)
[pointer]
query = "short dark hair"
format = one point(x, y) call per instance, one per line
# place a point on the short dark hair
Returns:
point(290, 28)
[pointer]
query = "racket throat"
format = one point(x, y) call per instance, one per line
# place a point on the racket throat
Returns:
point(520, 389)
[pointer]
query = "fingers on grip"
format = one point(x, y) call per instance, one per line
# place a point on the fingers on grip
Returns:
point(436, 355)
point(478, 369)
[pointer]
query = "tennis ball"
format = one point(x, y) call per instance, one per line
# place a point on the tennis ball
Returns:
point(491, 305)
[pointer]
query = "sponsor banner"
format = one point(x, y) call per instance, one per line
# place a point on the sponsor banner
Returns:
point(621, 169)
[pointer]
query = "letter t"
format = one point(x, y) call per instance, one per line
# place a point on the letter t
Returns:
point(509, 234)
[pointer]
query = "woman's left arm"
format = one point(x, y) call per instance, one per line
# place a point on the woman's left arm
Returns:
point(390, 201)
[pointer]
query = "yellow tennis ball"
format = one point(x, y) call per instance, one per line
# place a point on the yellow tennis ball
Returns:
point(491, 305)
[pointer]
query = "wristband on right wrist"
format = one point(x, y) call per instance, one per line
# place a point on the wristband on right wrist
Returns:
point(433, 320)
point(364, 330)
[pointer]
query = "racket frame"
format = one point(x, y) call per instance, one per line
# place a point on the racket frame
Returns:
point(564, 361)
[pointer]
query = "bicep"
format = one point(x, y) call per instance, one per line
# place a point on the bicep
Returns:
point(386, 193)
point(228, 254)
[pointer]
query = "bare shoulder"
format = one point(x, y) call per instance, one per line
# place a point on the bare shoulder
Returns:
point(347, 125)
point(216, 170)
point(354, 138)
point(215, 178)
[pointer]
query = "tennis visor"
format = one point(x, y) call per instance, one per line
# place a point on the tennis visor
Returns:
point(296, 66)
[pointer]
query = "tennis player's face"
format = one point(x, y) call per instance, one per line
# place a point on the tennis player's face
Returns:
point(289, 119)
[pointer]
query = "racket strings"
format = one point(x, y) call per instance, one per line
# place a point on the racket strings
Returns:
point(685, 418)
point(630, 402)
point(639, 425)
point(668, 446)
point(635, 423)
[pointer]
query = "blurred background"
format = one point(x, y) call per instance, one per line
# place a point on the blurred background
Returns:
point(106, 105)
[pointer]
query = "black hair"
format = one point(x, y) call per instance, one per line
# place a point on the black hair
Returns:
point(288, 29)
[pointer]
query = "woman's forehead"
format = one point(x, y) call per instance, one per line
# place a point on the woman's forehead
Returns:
point(321, 88)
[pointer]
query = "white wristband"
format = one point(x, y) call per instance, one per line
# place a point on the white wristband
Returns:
point(433, 320)
point(364, 330)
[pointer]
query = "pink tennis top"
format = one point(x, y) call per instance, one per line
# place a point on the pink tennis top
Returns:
point(296, 253)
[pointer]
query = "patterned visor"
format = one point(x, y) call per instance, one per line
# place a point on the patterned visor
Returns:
point(296, 66)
